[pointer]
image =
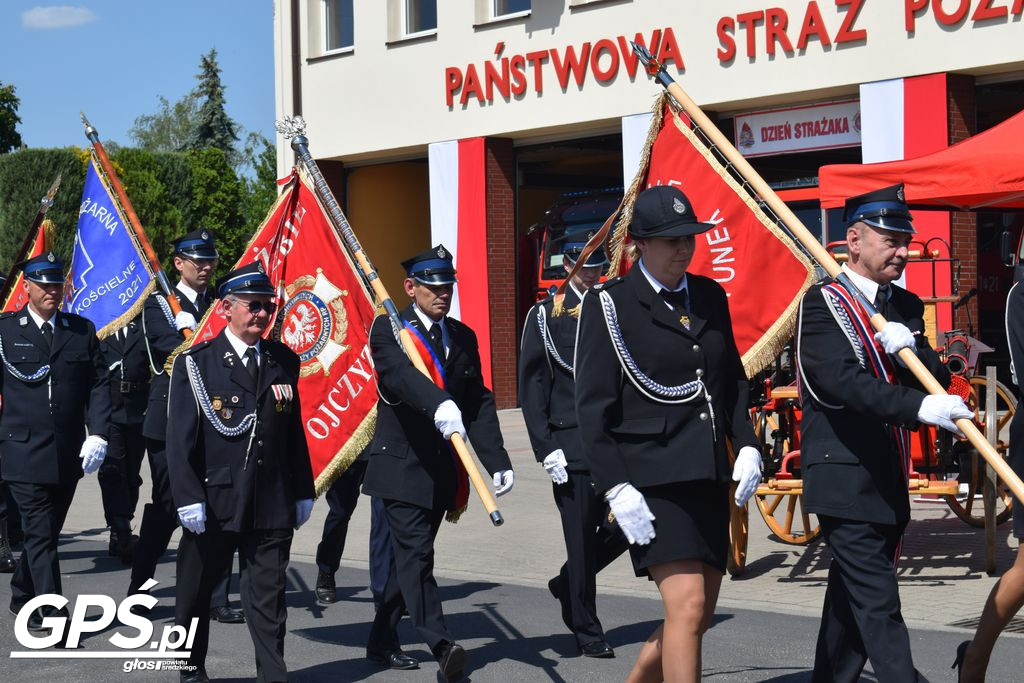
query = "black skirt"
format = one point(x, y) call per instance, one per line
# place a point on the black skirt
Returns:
point(691, 523)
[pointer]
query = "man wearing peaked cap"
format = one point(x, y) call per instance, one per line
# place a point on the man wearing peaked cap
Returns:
point(546, 392)
point(858, 402)
point(412, 468)
point(239, 470)
point(54, 385)
point(195, 258)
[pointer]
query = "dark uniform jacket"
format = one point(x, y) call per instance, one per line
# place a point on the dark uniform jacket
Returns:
point(850, 464)
point(43, 423)
point(546, 388)
point(628, 437)
point(129, 373)
point(252, 480)
point(162, 338)
point(409, 460)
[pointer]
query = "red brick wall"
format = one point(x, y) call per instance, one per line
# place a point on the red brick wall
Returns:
point(963, 224)
point(501, 268)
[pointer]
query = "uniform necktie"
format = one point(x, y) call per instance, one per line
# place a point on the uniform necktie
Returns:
point(882, 301)
point(250, 362)
point(679, 301)
point(436, 340)
point(47, 330)
point(201, 303)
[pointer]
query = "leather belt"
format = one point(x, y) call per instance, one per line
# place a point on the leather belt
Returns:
point(131, 387)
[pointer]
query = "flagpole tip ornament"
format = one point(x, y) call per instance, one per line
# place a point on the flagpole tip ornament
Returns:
point(89, 130)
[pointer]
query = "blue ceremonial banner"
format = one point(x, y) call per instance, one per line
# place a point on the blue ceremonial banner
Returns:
point(109, 278)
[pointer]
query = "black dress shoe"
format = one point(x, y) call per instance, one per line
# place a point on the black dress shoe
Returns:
point(122, 544)
point(326, 590)
point(958, 663)
point(226, 615)
point(396, 659)
point(557, 590)
point(197, 676)
point(452, 659)
point(598, 649)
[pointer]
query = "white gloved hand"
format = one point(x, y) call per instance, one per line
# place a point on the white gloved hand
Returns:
point(94, 449)
point(896, 336)
point(193, 517)
point(555, 466)
point(942, 410)
point(746, 472)
point(184, 320)
point(503, 482)
point(448, 419)
point(302, 510)
point(631, 513)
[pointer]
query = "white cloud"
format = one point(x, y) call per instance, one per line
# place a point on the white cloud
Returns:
point(56, 16)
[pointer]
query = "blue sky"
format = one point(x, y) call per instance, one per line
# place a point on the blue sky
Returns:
point(112, 59)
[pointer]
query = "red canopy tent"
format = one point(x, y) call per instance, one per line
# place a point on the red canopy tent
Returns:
point(984, 171)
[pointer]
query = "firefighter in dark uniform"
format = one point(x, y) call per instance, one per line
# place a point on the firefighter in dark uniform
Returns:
point(124, 351)
point(239, 470)
point(857, 400)
point(196, 258)
point(10, 522)
point(547, 395)
point(411, 466)
point(659, 388)
point(54, 387)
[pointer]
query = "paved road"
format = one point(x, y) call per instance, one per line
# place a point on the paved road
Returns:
point(494, 578)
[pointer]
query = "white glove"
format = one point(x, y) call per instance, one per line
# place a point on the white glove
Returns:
point(747, 473)
point(184, 320)
point(302, 509)
point(193, 517)
point(896, 336)
point(94, 449)
point(448, 419)
point(942, 410)
point(503, 482)
point(631, 512)
point(555, 466)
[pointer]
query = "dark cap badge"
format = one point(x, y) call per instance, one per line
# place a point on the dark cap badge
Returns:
point(441, 253)
point(205, 235)
point(50, 257)
point(678, 206)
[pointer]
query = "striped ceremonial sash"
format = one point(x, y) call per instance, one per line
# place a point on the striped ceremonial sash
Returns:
point(436, 369)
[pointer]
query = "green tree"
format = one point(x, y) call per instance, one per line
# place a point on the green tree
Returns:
point(213, 127)
point(261, 189)
point(9, 119)
point(216, 203)
point(169, 129)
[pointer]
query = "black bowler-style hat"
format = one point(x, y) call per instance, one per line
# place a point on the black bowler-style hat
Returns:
point(572, 247)
point(45, 269)
point(197, 245)
point(249, 279)
point(664, 211)
point(885, 208)
point(431, 267)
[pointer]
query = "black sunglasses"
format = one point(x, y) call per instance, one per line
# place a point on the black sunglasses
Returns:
point(256, 306)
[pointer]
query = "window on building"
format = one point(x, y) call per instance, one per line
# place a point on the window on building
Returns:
point(420, 16)
point(338, 25)
point(503, 7)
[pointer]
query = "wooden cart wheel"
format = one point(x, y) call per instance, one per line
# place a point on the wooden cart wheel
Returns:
point(785, 515)
point(968, 506)
point(739, 525)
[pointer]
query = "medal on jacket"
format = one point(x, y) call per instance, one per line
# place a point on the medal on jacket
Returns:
point(684, 320)
point(227, 413)
point(217, 403)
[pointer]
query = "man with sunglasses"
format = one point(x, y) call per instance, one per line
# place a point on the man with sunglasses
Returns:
point(239, 470)
point(412, 469)
point(195, 258)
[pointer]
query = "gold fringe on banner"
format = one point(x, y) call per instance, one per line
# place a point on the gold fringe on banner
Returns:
point(344, 458)
point(120, 321)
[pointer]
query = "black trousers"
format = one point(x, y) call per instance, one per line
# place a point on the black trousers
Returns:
point(342, 498)
point(9, 513)
point(382, 555)
point(159, 520)
point(203, 560)
point(44, 508)
point(861, 619)
point(119, 474)
point(591, 544)
point(410, 579)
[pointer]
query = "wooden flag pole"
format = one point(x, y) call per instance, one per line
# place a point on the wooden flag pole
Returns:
point(811, 244)
point(294, 128)
point(133, 220)
point(44, 205)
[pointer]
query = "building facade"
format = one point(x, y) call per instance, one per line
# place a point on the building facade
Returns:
point(468, 121)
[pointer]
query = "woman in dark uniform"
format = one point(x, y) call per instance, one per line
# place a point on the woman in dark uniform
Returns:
point(1007, 596)
point(659, 388)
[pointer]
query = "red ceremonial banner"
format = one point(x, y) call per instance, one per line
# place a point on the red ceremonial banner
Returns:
point(18, 297)
point(745, 252)
point(324, 315)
